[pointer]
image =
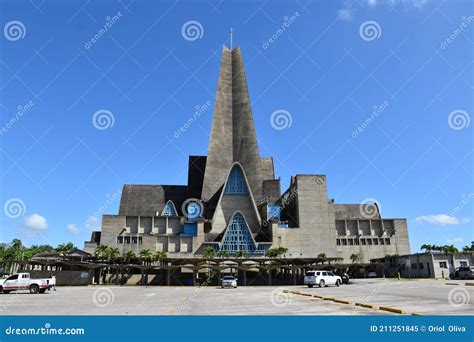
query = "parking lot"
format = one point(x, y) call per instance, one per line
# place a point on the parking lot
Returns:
point(426, 297)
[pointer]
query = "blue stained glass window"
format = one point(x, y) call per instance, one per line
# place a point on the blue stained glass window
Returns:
point(169, 210)
point(273, 212)
point(236, 182)
point(237, 237)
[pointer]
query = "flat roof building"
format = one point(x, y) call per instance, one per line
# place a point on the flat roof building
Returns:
point(233, 200)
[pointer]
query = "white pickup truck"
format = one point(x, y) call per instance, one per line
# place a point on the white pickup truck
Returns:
point(22, 281)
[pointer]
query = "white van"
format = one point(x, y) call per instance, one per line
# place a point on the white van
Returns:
point(321, 278)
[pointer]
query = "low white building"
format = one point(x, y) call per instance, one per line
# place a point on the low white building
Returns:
point(425, 265)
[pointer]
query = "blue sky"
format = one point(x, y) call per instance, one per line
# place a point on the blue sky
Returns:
point(379, 95)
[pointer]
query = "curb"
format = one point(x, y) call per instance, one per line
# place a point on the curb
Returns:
point(369, 306)
point(386, 308)
point(341, 301)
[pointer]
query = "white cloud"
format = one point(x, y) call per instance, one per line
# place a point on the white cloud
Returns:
point(346, 13)
point(440, 219)
point(73, 229)
point(36, 223)
point(455, 240)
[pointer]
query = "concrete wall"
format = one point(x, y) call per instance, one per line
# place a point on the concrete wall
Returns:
point(316, 231)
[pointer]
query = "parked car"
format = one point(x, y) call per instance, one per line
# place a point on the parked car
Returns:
point(22, 281)
point(321, 278)
point(463, 272)
point(229, 281)
point(454, 273)
point(344, 276)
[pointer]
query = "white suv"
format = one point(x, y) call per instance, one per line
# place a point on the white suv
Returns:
point(321, 278)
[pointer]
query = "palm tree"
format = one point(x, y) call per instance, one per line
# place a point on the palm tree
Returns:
point(240, 254)
point(159, 256)
point(129, 257)
point(209, 253)
point(65, 248)
point(468, 248)
point(146, 255)
point(112, 253)
point(276, 252)
point(426, 247)
point(223, 254)
point(101, 254)
point(356, 257)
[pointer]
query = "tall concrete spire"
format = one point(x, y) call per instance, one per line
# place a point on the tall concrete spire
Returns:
point(233, 137)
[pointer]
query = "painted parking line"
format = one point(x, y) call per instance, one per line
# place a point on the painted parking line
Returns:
point(347, 302)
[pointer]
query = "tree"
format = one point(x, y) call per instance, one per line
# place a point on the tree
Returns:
point(240, 254)
point(130, 257)
point(223, 254)
point(356, 258)
point(276, 252)
point(159, 256)
point(209, 253)
point(112, 253)
point(65, 248)
point(146, 255)
point(101, 252)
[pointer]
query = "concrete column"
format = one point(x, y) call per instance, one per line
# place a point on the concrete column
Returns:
point(194, 277)
point(269, 272)
point(244, 275)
